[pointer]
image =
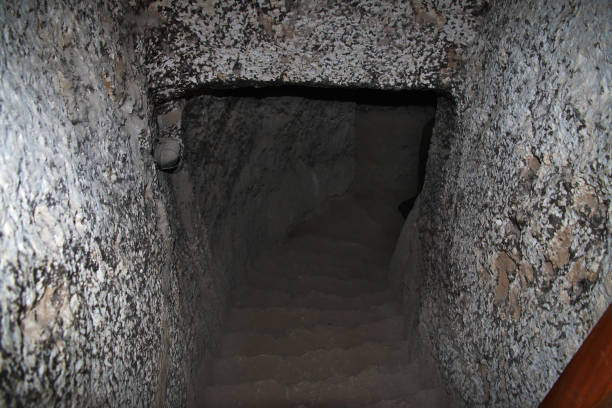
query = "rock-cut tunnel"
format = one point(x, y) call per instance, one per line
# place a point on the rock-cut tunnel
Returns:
point(305, 204)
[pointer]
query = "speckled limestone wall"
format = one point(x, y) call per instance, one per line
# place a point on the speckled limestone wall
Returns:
point(516, 214)
point(88, 283)
point(103, 305)
point(374, 44)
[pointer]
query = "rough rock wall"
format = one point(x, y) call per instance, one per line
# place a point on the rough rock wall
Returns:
point(381, 44)
point(516, 208)
point(87, 279)
point(201, 292)
point(254, 166)
point(388, 142)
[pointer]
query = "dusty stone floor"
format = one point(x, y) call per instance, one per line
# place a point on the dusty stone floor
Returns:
point(317, 324)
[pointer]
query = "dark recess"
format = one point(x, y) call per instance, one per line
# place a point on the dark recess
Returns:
point(363, 96)
point(358, 95)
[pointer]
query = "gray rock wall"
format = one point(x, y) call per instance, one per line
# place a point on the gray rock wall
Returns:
point(381, 44)
point(388, 142)
point(111, 291)
point(89, 293)
point(516, 215)
point(200, 293)
point(255, 166)
point(387, 150)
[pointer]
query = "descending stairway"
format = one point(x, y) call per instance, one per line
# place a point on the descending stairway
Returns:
point(317, 326)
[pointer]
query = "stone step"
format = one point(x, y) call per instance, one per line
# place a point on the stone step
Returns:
point(299, 341)
point(429, 397)
point(312, 366)
point(254, 297)
point(369, 386)
point(378, 241)
point(305, 283)
point(289, 256)
point(316, 325)
point(359, 252)
point(275, 319)
point(293, 266)
point(346, 220)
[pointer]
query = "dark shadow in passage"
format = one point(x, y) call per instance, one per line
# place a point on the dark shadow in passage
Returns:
point(407, 205)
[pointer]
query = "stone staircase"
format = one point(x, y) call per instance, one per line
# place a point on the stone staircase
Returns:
point(317, 326)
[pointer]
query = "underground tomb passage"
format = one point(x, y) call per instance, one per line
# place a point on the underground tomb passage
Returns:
point(115, 282)
point(258, 163)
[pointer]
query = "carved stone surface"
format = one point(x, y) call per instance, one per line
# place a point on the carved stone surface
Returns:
point(255, 166)
point(516, 208)
point(90, 302)
point(103, 300)
point(382, 44)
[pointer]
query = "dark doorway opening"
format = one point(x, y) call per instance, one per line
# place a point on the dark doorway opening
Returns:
point(385, 133)
point(300, 188)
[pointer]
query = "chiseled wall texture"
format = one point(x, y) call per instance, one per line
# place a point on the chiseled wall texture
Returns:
point(373, 44)
point(88, 283)
point(256, 165)
point(516, 208)
point(101, 299)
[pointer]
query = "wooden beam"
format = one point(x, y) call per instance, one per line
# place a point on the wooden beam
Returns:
point(586, 382)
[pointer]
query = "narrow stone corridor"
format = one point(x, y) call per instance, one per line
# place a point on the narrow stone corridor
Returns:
point(199, 202)
point(317, 325)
